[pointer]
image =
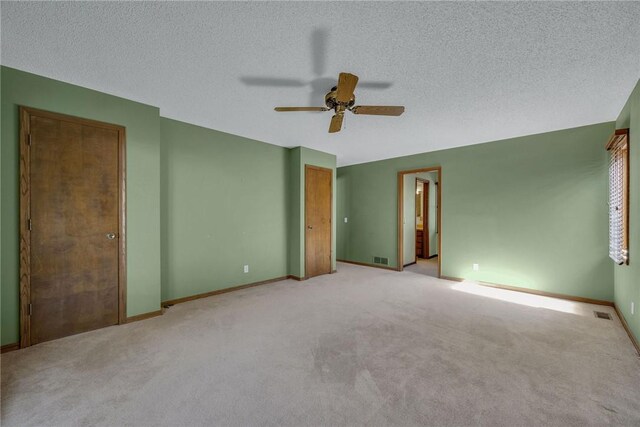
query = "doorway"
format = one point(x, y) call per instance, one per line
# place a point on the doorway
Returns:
point(72, 228)
point(317, 217)
point(419, 218)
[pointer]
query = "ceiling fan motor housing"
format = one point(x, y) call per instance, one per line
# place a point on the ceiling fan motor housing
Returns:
point(332, 103)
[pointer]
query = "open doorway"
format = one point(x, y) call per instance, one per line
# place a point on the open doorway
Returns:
point(419, 229)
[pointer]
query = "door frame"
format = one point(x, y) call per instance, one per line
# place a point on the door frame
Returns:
point(425, 215)
point(306, 167)
point(400, 224)
point(25, 213)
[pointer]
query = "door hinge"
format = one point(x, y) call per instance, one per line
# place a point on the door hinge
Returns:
point(29, 309)
point(29, 139)
point(29, 224)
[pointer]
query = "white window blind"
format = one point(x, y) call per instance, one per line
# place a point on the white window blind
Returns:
point(618, 197)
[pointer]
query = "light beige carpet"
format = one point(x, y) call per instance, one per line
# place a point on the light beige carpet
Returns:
point(360, 347)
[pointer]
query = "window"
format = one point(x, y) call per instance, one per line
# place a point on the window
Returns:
point(618, 147)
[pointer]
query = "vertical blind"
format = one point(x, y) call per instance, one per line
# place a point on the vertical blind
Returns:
point(618, 197)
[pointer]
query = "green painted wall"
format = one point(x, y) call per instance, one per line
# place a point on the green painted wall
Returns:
point(143, 183)
point(433, 213)
point(224, 205)
point(342, 209)
point(295, 191)
point(299, 157)
point(627, 277)
point(531, 211)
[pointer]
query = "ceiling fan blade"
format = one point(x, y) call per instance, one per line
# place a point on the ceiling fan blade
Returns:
point(378, 110)
point(284, 109)
point(346, 85)
point(336, 123)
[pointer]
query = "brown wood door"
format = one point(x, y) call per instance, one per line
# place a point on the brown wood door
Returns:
point(318, 194)
point(74, 187)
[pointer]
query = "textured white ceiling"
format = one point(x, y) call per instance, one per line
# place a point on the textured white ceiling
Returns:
point(466, 72)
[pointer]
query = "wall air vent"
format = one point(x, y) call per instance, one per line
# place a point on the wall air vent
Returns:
point(602, 315)
point(380, 260)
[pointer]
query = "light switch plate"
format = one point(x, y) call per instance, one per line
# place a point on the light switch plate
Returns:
point(246, 268)
point(476, 267)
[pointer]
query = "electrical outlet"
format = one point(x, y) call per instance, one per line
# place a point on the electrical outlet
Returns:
point(246, 268)
point(476, 267)
point(346, 219)
point(633, 307)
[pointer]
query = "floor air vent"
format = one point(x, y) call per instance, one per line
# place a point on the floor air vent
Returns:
point(380, 260)
point(602, 315)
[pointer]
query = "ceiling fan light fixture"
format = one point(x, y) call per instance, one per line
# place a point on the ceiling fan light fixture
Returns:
point(341, 98)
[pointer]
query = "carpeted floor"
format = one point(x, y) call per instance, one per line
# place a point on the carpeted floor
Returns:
point(361, 347)
point(428, 267)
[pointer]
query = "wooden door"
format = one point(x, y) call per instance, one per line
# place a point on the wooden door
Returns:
point(73, 178)
point(318, 194)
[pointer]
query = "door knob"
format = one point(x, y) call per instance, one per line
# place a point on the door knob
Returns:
point(309, 227)
point(111, 236)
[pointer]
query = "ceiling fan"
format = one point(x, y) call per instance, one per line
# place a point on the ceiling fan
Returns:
point(341, 99)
